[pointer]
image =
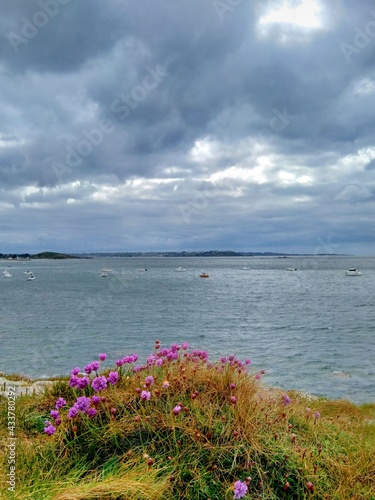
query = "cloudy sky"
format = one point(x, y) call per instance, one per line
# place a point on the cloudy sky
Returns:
point(187, 125)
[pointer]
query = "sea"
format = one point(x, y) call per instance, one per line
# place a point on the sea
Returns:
point(310, 330)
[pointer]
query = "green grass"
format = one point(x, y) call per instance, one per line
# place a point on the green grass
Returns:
point(137, 449)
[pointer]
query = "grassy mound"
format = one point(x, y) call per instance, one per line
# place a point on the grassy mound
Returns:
point(180, 427)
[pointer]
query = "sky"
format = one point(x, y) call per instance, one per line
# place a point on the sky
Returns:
point(170, 125)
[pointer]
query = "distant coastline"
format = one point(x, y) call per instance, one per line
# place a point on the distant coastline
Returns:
point(202, 253)
point(42, 255)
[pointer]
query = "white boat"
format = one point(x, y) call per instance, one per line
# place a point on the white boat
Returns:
point(142, 269)
point(30, 276)
point(104, 272)
point(291, 269)
point(180, 269)
point(7, 274)
point(246, 268)
point(353, 272)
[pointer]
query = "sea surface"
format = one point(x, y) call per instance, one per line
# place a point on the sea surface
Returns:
point(312, 329)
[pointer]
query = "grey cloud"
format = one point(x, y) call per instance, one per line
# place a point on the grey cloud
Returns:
point(79, 103)
point(370, 165)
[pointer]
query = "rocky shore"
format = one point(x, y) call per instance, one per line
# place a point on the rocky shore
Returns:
point(23, 386)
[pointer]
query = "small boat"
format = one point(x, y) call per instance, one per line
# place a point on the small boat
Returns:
point(30, 276)
point(246, 268)
point(353, 272)
point(7, 274)
point(142, 269)
point(104, 272)
point(204, 275)
point(180, 269)
point(291, 269)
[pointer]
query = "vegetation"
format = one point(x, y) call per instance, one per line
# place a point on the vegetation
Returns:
point(42, 255)
point(53, 255)
point(179, 427)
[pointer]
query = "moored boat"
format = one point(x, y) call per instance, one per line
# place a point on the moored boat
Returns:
point(353, 272)
point(204, 275)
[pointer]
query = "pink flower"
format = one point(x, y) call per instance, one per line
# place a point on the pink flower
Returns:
point(60, 403)
point(72, 412)
point(102, 357)
point(232, 386)
point(99, 383)
point(149, 380)
point(240, 489)
point(95, 400)
point(82, 382)
point(316, 416)
point(286, 399)
point(233, 400)
point(82, 404)
point(165, 384)
point(50, 429)
point(91, 412)
point(176, 410)
point(88, 368)
point(146, 395)
point(113, 378)
point(54, 414)
point(73, 381)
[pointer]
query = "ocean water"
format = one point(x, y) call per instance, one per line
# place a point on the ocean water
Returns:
point(311, 330)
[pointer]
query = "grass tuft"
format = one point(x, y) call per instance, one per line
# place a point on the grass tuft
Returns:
point(180, 427)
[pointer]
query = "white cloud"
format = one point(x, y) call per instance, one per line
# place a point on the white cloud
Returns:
point(300, 14)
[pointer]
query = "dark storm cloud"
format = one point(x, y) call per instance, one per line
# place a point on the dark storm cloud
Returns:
point(192, 114)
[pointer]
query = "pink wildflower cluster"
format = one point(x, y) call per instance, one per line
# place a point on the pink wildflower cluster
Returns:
point(90, 380)
point(82, 382)
point(132, 358)
point(233, 361)
point(198, 354)
point(165, 354)
point(83, 404)
point(92, 367)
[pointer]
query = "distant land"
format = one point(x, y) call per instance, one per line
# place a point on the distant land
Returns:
point(203, 253)
point(42, 255)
